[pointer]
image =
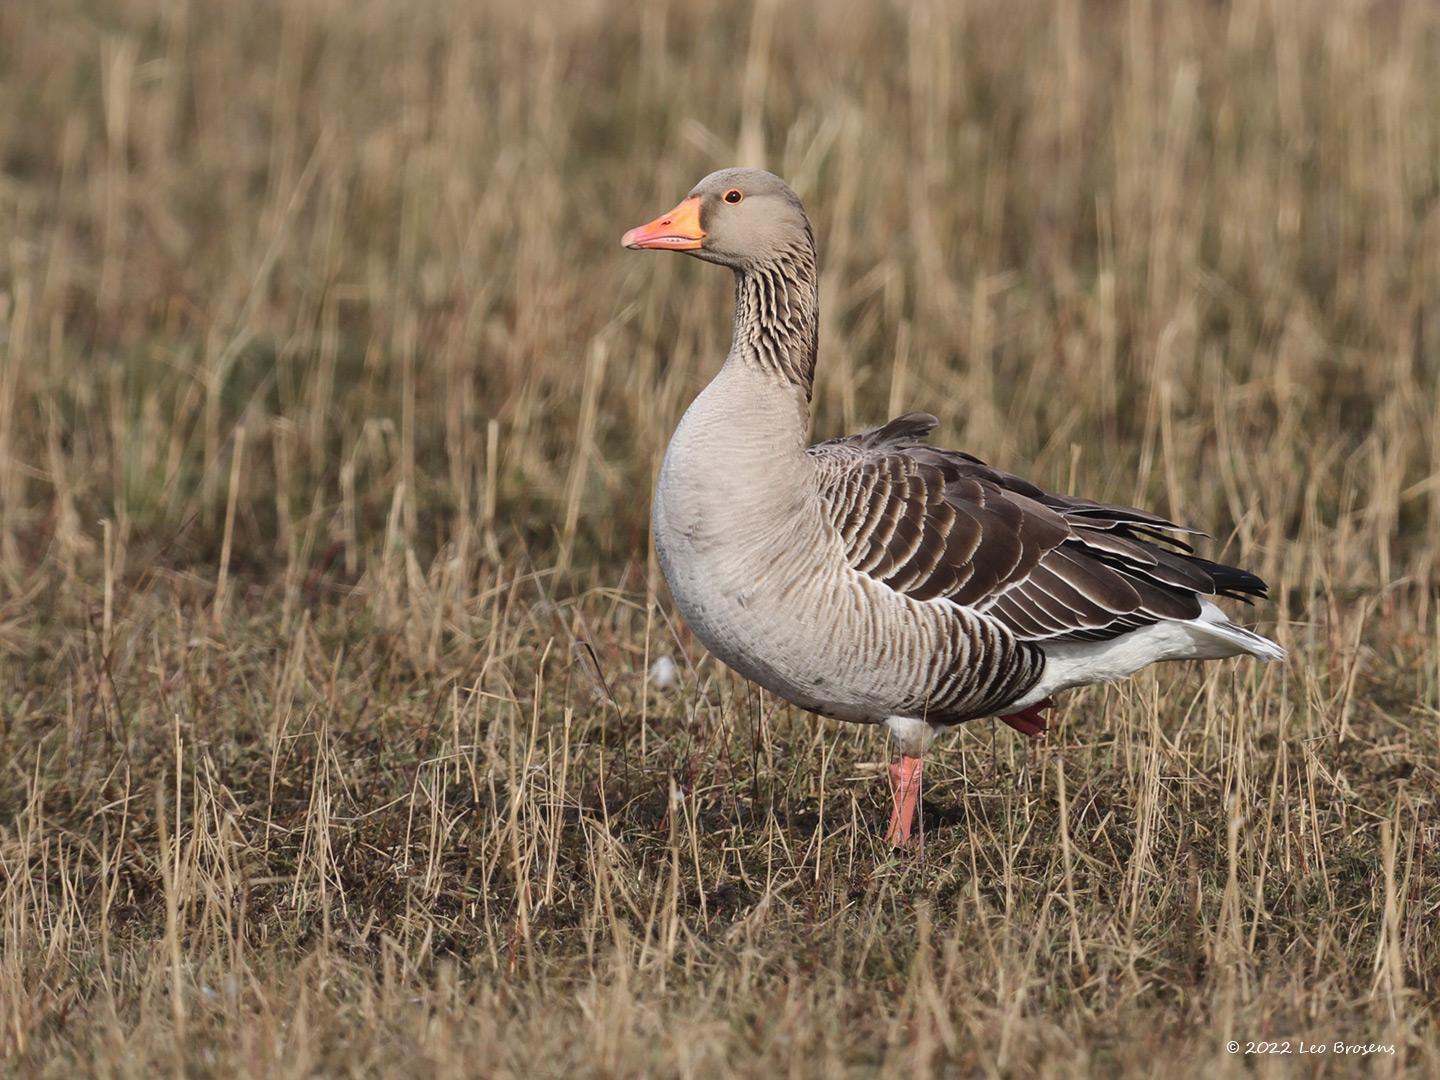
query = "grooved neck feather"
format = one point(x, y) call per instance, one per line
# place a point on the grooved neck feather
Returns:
point(777, 314)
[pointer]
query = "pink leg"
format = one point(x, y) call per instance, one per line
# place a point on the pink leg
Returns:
point(905, 785)
point(1031, 722)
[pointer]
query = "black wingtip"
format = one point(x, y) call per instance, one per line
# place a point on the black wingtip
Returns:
point(1231, 581)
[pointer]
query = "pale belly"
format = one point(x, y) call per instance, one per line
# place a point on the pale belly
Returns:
point(722, 588)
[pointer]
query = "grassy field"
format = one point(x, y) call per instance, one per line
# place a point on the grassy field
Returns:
point(329, 408)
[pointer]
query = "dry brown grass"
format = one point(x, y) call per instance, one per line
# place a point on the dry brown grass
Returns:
point(328, 411)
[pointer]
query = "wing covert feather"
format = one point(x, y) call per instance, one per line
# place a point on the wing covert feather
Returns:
point(937, 524)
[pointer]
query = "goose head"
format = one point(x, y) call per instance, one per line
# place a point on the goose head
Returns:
point(740, 218)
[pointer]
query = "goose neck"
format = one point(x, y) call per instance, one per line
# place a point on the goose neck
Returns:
point(777, 317)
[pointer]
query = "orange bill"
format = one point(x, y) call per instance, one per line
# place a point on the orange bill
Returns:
point(679, 230)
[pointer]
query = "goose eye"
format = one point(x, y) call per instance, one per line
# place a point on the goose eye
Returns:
point(733, 196)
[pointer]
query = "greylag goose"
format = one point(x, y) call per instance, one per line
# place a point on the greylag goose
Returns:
point(874, 578)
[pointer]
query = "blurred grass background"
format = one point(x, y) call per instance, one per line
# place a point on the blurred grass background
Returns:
point(329, 407)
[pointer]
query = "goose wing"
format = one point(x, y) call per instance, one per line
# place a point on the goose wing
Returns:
point(941, 524)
